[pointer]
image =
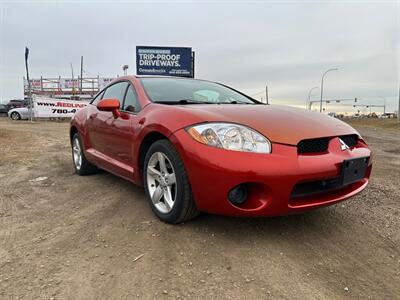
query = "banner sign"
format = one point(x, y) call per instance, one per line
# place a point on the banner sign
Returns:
point(71, 83)
point(34, 83)
point(168, 61)
point(44, 107)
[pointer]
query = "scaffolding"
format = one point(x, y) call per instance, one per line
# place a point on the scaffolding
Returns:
point(66, 88)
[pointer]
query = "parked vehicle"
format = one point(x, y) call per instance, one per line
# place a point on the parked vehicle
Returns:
point(20, 113)
point(387, 116)
point(3, 109)
point(202, 146)
point(333, 114)
point(16, 104)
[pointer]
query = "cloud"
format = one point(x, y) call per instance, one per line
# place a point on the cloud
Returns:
point(245, 44)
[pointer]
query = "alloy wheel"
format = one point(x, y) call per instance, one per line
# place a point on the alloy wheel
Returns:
point(161, 182)
point(77, 153)
point(14, 116)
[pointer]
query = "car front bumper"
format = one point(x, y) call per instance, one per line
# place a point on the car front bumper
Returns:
point(270, 179)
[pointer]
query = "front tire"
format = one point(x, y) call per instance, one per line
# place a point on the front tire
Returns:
point(81, 164)
point(167, 185)
point(15, 116)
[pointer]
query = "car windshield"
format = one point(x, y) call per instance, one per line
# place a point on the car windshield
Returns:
point(191, 91)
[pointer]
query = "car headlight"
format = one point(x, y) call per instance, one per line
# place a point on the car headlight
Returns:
point(230, 136)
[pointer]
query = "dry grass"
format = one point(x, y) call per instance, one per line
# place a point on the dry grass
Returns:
point(390, 125)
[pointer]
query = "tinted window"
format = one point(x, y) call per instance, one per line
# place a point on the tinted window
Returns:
point(131, 102)
point(98, 98)
point(172, 90)
point(116, 91)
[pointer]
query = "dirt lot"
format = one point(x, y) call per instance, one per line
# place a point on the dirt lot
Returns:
point(71, 237)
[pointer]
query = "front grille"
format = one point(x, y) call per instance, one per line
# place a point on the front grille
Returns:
point(350, 140)
point(313, 146)
point(321, 144)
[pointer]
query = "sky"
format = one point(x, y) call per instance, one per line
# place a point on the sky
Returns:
point(286, 45)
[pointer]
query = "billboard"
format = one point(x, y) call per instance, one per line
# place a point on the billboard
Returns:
point(168, 61)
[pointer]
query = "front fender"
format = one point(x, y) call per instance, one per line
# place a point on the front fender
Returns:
point(78, 121)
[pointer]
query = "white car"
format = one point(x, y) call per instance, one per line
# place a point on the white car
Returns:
point(19, 113)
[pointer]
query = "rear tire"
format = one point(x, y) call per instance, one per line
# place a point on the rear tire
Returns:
point(167, 185)
point(81, 164)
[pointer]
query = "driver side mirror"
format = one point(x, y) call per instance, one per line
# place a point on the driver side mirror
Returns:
point(109, 105)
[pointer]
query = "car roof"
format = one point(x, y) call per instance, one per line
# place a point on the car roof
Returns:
point(165, 77)
point(138, 77)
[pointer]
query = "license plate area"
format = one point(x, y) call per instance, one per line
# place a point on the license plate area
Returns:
point(354, 169)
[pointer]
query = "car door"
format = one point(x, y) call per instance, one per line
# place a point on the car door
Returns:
point(93, 123)
point(100, 122)
point(25, 112)
point(124, 129)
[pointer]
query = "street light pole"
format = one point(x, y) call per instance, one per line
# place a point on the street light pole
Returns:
point(308, 106)
point(266, 93)
point(322, 86)
point(125, 68)
point(384, 104)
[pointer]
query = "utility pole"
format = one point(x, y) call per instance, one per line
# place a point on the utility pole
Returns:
point(266, 94)
point(322, 86)
point(81, 73)
point(72, 82)
point(29, 83)
point(72, 71)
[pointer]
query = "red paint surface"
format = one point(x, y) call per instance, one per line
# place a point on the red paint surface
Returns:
point(114, 144)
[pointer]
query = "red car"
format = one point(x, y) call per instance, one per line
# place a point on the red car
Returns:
point(197, 145)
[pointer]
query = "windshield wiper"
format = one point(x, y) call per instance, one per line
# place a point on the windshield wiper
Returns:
point(192, 101)
point(236, 102)
point(184, 101)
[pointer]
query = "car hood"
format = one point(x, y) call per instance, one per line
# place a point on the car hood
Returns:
point(280, 124)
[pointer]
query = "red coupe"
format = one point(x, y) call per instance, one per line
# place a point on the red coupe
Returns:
point(197, 145)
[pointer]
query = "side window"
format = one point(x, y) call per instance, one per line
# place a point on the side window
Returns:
point(131, 102)
point(98, 98)
point(116, 91)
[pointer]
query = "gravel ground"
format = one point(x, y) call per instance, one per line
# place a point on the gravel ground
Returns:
point(68, 237)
